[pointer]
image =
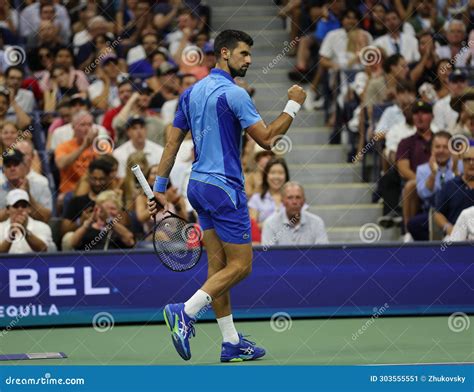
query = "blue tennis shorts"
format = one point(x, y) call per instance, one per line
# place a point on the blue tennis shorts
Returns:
point(224, 210)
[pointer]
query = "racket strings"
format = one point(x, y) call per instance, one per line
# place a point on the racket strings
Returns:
point(177, 243)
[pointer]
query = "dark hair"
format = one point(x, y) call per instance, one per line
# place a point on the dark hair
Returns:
point(109, 159)
point(437, 81)
point(391, 61)
point(424, 33)
point(13, 67)
point(63, 47)
point(405, 86)
point(157, 52)
point(355, 11)
point(100, 164)
point(230, 39)
point(443, 134)
point(393, 11)
point(272, 162)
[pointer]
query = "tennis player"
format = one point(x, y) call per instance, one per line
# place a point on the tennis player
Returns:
point(216, 110)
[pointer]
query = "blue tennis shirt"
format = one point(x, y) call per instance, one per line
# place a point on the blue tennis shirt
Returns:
point(216, 110)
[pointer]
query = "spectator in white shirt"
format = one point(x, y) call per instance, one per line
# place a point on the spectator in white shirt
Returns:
point(455, 49)
point(393, 115)
point(137, 133)
point(15, 172)
point(336, 53)
point(187, 21)
point(396, 41)
point(20, 233)
point(30, 18)
point(148, 45)
point(463, 230)
point(103, 93)
point(444, 116)
point(292, 225)
point(24, 98)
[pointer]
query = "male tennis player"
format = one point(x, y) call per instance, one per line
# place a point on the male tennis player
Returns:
point(216, 110)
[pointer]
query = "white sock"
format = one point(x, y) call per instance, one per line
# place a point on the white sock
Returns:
point(199, 300)
point(227, 327)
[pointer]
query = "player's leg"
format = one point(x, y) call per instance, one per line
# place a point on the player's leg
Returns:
point(238, 266)
point(215, 262)
point(221, 305)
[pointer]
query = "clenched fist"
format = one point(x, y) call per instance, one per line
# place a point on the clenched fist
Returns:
point(297, 94)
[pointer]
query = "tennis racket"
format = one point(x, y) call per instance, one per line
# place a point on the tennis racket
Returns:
point(177, 243)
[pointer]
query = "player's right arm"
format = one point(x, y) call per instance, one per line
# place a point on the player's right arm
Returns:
point(174, 139)
point(265, 135)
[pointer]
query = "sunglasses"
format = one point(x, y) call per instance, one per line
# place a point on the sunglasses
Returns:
point(468, 160)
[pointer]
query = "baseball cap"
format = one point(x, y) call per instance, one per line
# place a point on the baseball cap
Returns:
point(136, 119)
point(13, 155)
point(457, 75)
point(15, 195)
point(422, 106)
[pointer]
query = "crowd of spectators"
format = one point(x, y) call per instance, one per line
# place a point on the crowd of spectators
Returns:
point(394, 79)
point(89, 88)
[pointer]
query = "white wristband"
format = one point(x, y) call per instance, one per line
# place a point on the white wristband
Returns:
point(291, 108)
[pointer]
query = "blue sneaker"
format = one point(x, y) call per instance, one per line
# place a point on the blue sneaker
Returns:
point(181, 327)
point(245, 350)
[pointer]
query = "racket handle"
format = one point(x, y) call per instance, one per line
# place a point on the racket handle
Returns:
point(144, 184)
point(142, 181)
